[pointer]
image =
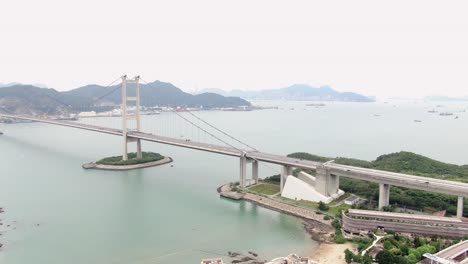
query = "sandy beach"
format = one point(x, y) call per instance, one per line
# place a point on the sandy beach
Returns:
point(332, 253)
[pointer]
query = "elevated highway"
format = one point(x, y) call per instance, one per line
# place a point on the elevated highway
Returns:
point(328, 174)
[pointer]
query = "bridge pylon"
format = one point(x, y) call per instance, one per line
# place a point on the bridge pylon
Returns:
point(130, 115)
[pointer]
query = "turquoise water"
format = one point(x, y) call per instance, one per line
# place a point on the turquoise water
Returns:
point(60, 213)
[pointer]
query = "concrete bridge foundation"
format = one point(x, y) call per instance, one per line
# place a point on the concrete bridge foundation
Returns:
point(460, 207)
point(287, 170)
point(325, 183)
point(384, 195)
point(244, 181)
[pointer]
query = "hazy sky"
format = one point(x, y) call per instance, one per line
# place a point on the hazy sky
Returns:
point(373, 47)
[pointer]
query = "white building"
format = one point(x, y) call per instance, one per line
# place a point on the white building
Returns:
point(87, 114)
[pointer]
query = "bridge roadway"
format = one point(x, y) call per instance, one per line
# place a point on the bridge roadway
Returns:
point(458, 252)
point(395, 179)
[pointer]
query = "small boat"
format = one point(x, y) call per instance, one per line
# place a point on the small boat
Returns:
point(417, 121)
point(316, 104)
point(446, 114)
point(376, 115)
point(432, 111)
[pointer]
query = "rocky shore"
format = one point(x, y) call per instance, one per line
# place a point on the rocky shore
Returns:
point(314, 224)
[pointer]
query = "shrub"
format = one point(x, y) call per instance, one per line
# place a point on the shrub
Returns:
point(322, 206)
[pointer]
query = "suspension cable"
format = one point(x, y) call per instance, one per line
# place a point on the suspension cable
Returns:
point(221, 131)
point(210, 125)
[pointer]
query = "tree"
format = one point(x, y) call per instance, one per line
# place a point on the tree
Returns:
point(387, 245)
point(348, 256)
point(385, 257)
point(367, 259)
point(322, 206)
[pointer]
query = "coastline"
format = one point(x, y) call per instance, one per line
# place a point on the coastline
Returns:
point(319, 229)
point(332, 253)
point(95, 166)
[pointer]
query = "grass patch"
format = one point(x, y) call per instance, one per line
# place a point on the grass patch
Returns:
point(314, 206)
point(265, 188)
point(132, 160)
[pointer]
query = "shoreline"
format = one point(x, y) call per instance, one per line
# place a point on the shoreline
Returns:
point(332, 253)
point(94, 166)
point(319, 230)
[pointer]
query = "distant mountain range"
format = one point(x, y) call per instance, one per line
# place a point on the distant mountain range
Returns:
point(296, 92)
point(29, 99)
point(442, 98)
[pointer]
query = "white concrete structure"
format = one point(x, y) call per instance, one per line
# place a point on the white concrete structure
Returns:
point(384, 195)
point(292, 259)
point(297, 189)
point(303, 188)
point(87, 114)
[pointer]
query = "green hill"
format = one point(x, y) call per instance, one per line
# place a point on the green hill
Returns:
point(28, 99)
point(402, 162)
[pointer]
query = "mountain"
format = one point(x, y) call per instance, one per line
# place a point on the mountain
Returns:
point(28, 99)
point(297, 92)
point(442, 98)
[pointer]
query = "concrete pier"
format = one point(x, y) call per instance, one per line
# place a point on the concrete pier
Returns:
point(460, 207)
point(243, 171)
point(287, 170)
point(384, 195)
point(325, 183)
point(255, 171)
point(139, 153)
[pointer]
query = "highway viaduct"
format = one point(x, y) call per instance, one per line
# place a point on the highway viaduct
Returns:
point(327, 174)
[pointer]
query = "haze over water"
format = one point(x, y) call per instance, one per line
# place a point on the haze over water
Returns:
point(60, 213)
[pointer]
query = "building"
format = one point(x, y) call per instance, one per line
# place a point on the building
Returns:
point(87, 114)
point(352, 200)
point(212, 261)
point(357, 221)
point(292, 259)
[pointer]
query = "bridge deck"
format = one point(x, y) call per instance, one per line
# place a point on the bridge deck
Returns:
point(391, 178)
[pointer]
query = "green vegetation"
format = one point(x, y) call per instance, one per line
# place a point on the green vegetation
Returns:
point(322, 206)
point(334, 210)
point(275, 179)
point(400, 249)
point(403, 162)
point(266, 188)
point(338, 237)
point(132, 160)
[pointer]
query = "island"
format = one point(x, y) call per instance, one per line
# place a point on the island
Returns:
point(149, 159)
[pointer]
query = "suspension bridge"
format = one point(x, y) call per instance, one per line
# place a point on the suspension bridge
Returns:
point(207, 137)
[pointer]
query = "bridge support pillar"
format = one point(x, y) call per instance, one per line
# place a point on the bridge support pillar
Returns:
point(243, 172)
point(139, 153)
point(255, 171)
point(460, 207)
point(287, 170)
point(325, 183)
point(384, 195)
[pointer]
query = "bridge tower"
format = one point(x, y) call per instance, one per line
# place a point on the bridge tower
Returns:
point(130, 115)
